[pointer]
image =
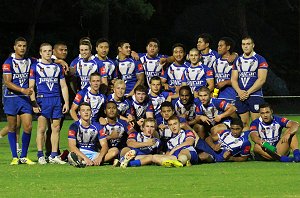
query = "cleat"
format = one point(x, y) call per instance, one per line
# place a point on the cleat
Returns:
point(64, 155)
point(56, 160)
point(167, 163)
point(42, 160)
point(188, 163)
point(177, 164)
point(127, 157)
point(15, 161)
point(116, 163)
point(25, 160)
point(74, 161)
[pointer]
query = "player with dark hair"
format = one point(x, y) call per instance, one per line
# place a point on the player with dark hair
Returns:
point(16, 101)
point(208, 55)
point(249, 73)
point(268, 129)
point(226, 145)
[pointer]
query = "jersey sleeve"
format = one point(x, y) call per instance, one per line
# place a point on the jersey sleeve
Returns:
point(101, 132)
point(254, 126)
point(262, 63)
point(281, 120)
point(61, 72)
point(101, 68)
point(198, 109)
point(139, 69)
point(190, 134)
point(73, 131)
point(150, 107)
point(7, 66)
point(32, 73)
point(209, 73)
point(246, 146)
point(79, 97)
point(133, 136)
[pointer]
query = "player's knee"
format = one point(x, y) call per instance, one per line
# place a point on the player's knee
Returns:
point(257, 148)
point(183, 158)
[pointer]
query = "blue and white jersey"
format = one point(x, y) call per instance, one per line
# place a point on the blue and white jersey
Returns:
point(141, 137)
point(222, 71)
point(197, 76)
point(86, 137)
point(128, 69)
point(47, 79)
point(190, 110)
point(139, 110)
point(151, 66)
point(237, 146)
point(109, 67)
point(95, 100)
point(208, 59)
point(248, 71)
point(123, 106)
point(120, 127)
point(179, 138)
point(270, 132)
point(214, 108)
point(19, 69)
point(85, 68)
point(173, 75)
point(166, 132)
point(158, 100)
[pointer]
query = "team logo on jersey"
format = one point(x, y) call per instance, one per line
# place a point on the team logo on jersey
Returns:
point(55, 68)
point(157, 63)
point(42, 69)
point(129, 65)
point(252, 63)
point(245, 82)
point(80, 66)
point(226, 64)
point(256, 107)
point(16, 65)
point(236, 141)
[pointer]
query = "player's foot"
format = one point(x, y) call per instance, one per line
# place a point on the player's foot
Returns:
point(188, 163)
point(177, 164)
point(127, 157)
point(14, 161)
point(74, 161)
point(167, 163)
point(64, 155)
point(25, 160)
point(116, 163)
point(56, 160)
point(42, 160)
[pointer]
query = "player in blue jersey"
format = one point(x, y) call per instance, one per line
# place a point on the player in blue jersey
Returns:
point(249, 73)
point(16, 99)
point(83, 138)
point(151, 60)
point(180, 147)
point(197, 75)
point(158, 96)
point(91, 95)
point(222, 70)
point(141, 107)
point(172, 77)
point(225, 145)
point(140, 146)
point(86, 65)
point(48, 77)
point(102, 48)
point(129, 70)
point(215, 114)
point(268, 128)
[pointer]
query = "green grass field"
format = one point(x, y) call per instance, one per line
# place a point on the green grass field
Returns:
point(247, 179)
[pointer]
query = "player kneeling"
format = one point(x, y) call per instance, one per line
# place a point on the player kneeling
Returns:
point(140, 146)
point(83, 137)
point(180, 147)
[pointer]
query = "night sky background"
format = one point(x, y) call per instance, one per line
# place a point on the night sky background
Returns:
point(274, 25)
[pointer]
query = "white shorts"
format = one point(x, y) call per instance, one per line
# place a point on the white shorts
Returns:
point(90, 154)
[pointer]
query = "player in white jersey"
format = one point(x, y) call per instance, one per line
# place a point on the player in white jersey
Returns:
point(83, 137)
point(172, 77)
point(249, 73)
point(49, 80)
point(225, 145)
point(16, 101)
point(129, 70)
point(140, 146)
point(222, 70)
point(180, 147)
point(197, 75)
point(102, 48)
point(268, 129)
point(151, 60)
point(86, 65)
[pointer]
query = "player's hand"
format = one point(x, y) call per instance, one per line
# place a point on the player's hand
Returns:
point(64, 64)
point(36, 109)
point(150, 142)
point(220, 84)
point(232, 57)
point(205, 119)
point(135, 55)
point(103, 121)
point(227, 155)
point(162, 126)
point(130, 94)
point(218, 118)
point(163, 61)
point(114, 135)
point(65, 108)
point(216, 147)
point(130, 118)
point(140, 121)
point(242, 94)
point(88, 162)
point(166, 86)
point(285, 138)
point(97, 161)
point(27, 91)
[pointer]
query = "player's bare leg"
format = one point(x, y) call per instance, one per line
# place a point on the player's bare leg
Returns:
point(184, 156)
point(246, 122)
point(200, 130)
point(205, 157)
point(258, 149)
point(55, 126)
point(40, 136)
point(111, 154)
point(144, 159)
point(218, 128)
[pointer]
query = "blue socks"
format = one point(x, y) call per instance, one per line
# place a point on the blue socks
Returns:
point(296, 153)
point(12, 138)
point(286, 159)
point(25, 143)
point(54, 154)
point(135, 163)
point(40, 154)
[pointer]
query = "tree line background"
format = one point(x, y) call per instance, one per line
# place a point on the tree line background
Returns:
point(274, 25)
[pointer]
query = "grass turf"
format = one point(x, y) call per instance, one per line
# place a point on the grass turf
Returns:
point(246, 179)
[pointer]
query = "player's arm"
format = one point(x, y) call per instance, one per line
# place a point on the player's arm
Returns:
point(238, 159)
point(36, 108)
point(104, 149)
point(210, 140)
point(64, 64)
point(186, 126)
point(255, 138)
point(224, 83)
point(134, 144)
point(73, 113)
point(65, 94)
point(210, 84)
point(140, 81)
point(291, 128)
point(235, 85)
point(189, 141)
point(262, 77)
point(10, 85)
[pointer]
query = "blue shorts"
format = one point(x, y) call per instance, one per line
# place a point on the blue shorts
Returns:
point(202, 146)
point(139, 151)
point(90, 154)
point(194, 156)
point(51, 107)
point(251, 104)
point(17, 105)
